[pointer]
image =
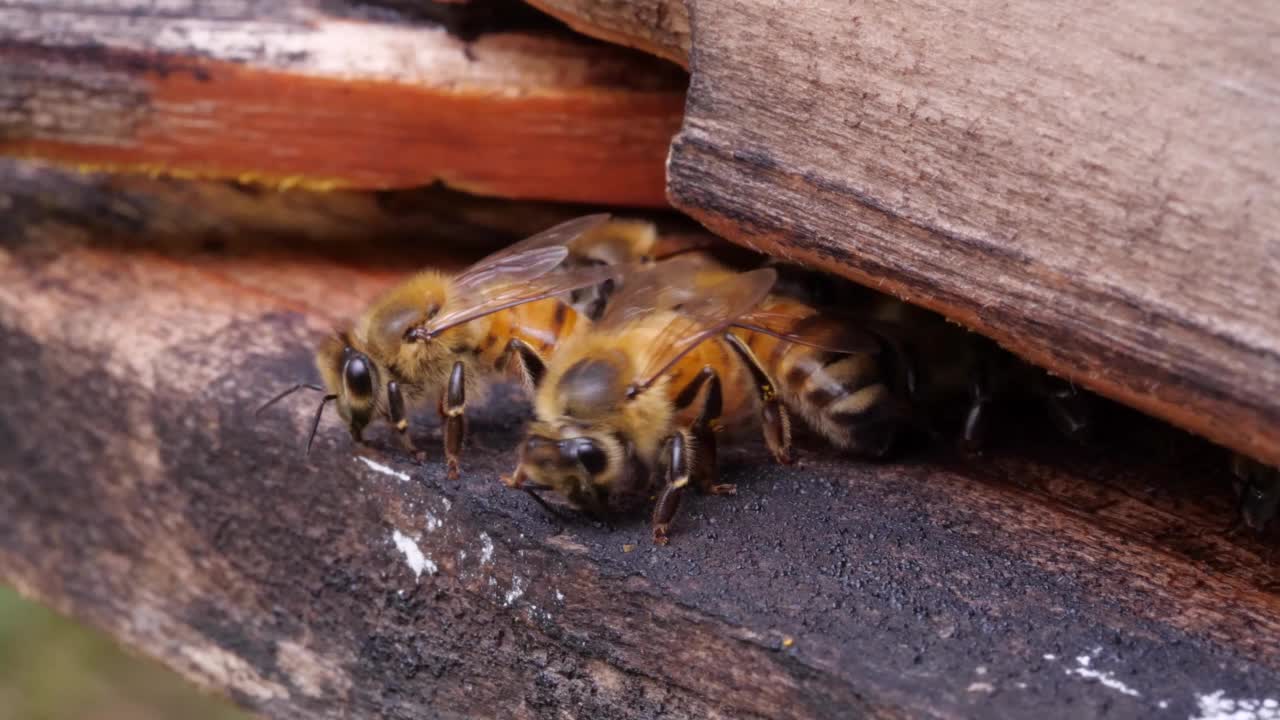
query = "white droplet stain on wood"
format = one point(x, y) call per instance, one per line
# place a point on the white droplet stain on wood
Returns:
point(486, 549)
point(517, 590)
point(1216, 706)
point(383, 469)
point(417, 561)
point(1104, 678)
point(433, 522)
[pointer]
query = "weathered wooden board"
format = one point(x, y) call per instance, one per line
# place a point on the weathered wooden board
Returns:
point(334, 94)
point(1094, 187)
point(139, 492)
point(660, 27)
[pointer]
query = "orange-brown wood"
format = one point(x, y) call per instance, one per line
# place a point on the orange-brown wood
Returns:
point(509, 114)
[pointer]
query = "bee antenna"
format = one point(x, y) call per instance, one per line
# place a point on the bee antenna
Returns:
point(315, 424)
point(287, 393)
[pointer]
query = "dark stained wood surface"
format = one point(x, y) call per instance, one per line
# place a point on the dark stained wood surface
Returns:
point(1093, 187)
point(328, 94)
point(140, 493)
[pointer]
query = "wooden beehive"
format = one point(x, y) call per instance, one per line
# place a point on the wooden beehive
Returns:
point(1098, 199)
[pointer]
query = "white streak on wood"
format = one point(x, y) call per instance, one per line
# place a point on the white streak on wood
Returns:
point(1215, 706)
point(413, 555)
point(380, 468)
point(517, 590)
point(1104, 678)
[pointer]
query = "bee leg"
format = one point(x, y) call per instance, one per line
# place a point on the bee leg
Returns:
point(453, 405)
point(678, 462)
point(705, 470)
point(974, 435)
point(399, 418)
point(773, 414)
point(977, 421)
point(1069, 408)
point(532, 366)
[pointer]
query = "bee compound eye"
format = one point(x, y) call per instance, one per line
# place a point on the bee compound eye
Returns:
point(593, 458)
point(358, 376)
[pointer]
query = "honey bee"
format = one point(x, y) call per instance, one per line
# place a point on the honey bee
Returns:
point(633, 405)
point(440, 337)
point(940, 367)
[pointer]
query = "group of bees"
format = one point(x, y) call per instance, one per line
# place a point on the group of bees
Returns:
point(636, 360)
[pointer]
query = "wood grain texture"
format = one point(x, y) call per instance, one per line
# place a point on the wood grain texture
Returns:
point(140, 493)
point(298, 93)
point(659, 27)
point(1093, 187)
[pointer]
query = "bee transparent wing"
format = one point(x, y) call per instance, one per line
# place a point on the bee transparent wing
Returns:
point(705, 312)
point(663, 285)
point(529, 258)
point(520, 290)
point(522, 273)
point(821, 331)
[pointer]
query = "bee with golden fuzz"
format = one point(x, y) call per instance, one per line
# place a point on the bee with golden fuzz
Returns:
point(441, 338)
point(632, 407)
point(937, 367)
point(849, 385)
point(640, 391)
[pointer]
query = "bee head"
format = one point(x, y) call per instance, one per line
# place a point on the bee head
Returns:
point(581, 464)
point(351, 378)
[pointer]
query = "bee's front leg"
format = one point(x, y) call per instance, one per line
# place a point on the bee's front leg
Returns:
point(400, 418)
point(453, 405)
point(678, 462)
point(774, 419)
point(706, 466)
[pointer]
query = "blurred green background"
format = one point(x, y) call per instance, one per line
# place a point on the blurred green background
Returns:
point(52, 668)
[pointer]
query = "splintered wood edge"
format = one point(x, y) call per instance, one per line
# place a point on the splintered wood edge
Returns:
point(658, 27)
point(304, 99)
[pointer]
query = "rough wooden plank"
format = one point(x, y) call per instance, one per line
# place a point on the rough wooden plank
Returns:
point(289, 92)
point(660, 27)
point(1093, 188)
point(1099, 198)
point(140, 493)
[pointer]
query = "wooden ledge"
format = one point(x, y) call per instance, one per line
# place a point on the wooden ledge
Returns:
point(282, 93)
point(140, 493)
